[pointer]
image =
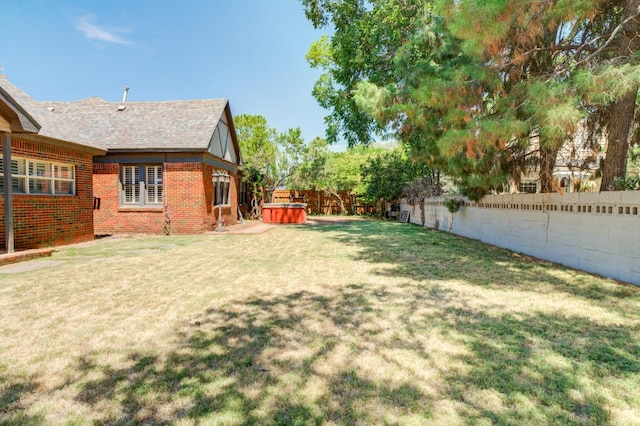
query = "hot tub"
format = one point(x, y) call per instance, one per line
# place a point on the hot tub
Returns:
point(284, 213)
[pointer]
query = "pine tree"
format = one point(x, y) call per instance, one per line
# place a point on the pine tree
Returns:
point(488, 89)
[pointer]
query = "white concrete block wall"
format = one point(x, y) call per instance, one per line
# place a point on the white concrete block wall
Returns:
point(594, 232)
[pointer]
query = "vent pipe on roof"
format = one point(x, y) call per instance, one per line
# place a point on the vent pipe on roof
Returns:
point(124, 99)
point(126, 92)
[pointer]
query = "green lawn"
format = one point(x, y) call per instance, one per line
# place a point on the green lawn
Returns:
point(366, 323)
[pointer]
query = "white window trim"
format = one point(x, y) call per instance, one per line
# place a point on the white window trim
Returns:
point(157, 185)
point(528, 184)
point(52, 179)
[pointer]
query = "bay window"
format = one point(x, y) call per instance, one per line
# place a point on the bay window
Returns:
point(221, 182)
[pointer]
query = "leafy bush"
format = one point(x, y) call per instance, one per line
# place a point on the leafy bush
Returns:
point(453, 204)
point(629, 184)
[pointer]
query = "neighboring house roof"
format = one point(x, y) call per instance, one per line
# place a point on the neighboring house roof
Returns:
point(148, 126)
point(36, 119)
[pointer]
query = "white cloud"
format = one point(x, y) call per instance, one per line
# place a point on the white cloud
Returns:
point(85, 25)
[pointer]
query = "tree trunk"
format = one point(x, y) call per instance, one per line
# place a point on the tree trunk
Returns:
point(337, 196)
point(623, 111)
point(619, 129)
point(548, 156)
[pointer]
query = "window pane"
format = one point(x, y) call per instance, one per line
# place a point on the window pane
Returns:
point(154, 184)
point(39, 186)
point(528, 187)
point(63, 172)
point(64, 187)
point(154, 175)
point(218, 193)
point(131, 175)
point(225, 193)
point(39, 169)
point(18, 166)
point(131, 194)
point(17, 185)
point(154, 194)
point(131, 184)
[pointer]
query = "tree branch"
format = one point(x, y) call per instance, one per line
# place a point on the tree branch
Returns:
point(610, 39)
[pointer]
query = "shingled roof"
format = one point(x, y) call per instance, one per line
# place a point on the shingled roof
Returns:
point(50, 125)
point(149, 126)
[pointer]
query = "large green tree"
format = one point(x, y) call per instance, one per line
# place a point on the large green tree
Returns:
point(259, 151)
point(613, 64)
point(490, 89)
point(270, 159)
point(386, 175)
point(334, 173)
point(549, 49)
point(366, 37)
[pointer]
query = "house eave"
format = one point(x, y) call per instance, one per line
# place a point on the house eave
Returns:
point(150, 150)
point(60, 143)
point(155, 156)
point(22, 121)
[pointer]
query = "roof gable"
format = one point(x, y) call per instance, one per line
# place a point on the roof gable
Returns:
point(31, 117)
point(222, 143)
point(14, 116)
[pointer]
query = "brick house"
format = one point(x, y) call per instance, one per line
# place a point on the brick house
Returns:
point(51, 199)
point(171, 167)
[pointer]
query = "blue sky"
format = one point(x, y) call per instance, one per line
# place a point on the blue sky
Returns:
point(249, 51)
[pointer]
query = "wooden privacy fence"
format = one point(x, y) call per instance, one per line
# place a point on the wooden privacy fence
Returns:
point(319, 202)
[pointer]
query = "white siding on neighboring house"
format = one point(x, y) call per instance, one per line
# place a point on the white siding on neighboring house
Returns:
point(576, 163)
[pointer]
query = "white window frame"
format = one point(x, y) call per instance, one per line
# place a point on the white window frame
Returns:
point(30, 174)
point(154, 189)
point(526, 186)
point(146, 185)
point(130, 186)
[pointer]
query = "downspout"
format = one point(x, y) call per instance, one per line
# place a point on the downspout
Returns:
point(8, 193)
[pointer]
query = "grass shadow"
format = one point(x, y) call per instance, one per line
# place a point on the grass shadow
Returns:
point(422, 254)
point(14, 390)
point(312, 359)
point(550, 361)
point(413, 350)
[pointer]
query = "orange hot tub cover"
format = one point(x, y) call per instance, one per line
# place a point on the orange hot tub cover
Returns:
point(284, 213)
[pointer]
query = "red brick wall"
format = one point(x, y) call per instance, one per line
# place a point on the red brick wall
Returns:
point(187, 209)
point(48, 220)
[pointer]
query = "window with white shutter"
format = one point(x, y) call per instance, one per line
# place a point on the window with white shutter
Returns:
point(154, 184)
point(141, 185)
point(131, 184)
point(30, 176)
